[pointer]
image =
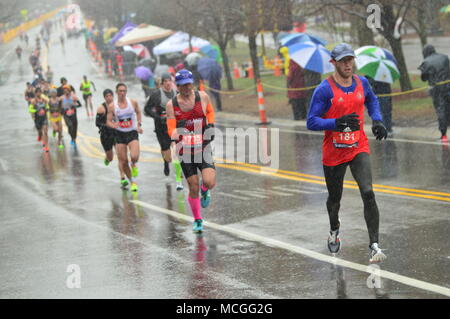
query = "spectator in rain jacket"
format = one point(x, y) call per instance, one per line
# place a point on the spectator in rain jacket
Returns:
point(297, 98)
point(435, 68)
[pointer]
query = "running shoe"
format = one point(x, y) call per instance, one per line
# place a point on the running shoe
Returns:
point(106, 162)
point(61, 146)
point(444, 139)
point(180, 186)
point(133, 187)
point(334, 242)
point(45, 149)
point(123, 183)
point(198, 226)
point(205, 198)
point(134, 171)
point(376, 255)
point(166, 168)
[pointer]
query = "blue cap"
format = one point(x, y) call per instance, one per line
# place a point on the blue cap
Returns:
point(184, 77)
point(341, 51)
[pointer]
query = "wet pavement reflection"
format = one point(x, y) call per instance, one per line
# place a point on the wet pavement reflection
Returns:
point(65, 207)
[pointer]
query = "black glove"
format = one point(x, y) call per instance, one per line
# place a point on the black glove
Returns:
point(210, 127)
point(349, 120)
point(379, 130)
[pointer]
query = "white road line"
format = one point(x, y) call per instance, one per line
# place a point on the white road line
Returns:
point(62, 212)
point(4, 165)
point(305, 252)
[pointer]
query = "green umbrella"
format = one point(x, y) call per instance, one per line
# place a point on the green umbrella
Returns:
point(378, 68)
point(445, 9)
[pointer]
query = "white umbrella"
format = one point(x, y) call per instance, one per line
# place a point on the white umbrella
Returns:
point(192, 58)
point(178, 42)
point(143, 33)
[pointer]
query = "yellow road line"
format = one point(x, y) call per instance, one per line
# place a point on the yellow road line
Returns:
point(269, 169)
point(284, 174)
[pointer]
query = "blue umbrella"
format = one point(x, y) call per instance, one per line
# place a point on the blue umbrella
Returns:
point(299, 38)
point(143, 73)
point(209, 69)
point(311, 56)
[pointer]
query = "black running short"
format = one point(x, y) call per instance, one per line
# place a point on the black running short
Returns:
point(85, 96)
point(190, 167)
point(40, 121)
point(162, 135)
point(108, 141)
point(126, 137)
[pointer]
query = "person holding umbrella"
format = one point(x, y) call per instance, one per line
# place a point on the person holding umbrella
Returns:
point(337, 107)
point(380, 68)
point(144, 74)
point(210, 70)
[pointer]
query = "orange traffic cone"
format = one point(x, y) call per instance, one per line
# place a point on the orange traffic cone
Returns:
point(277, 67)
point(262, 109)
point(237, 73)
point(251, 74)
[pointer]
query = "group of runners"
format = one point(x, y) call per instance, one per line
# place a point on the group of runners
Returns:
point(182, 118)
point(184, 125)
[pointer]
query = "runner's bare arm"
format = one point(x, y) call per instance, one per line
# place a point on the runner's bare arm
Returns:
point(138, 115)
point(109, 117)
point(137, 110)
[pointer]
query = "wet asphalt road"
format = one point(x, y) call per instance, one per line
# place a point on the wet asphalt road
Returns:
point(66, 208)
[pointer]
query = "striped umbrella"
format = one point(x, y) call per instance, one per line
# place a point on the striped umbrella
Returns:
point(311, 56)
point(378, 68)
point(299, 38)
point(376, 52)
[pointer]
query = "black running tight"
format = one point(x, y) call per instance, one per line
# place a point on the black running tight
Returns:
point(72, 125)
point(361, 171)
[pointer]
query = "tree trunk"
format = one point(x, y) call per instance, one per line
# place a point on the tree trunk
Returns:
point(226, 67)
point(363, 32)
point(233, 43)
point(421, 16)
point(254, 54)
point(389, 23)
point(397, 50)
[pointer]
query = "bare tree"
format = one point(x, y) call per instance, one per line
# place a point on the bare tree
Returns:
point(264, 15)
point(393, 13)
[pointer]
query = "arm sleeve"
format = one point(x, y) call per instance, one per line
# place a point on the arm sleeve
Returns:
point(171, 126)
point(320, 104)
point(210, 114)
point(31, 109)
point(371, 101)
